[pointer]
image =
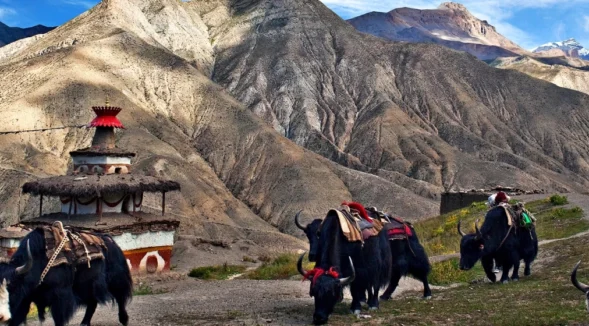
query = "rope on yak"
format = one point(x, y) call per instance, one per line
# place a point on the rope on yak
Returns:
point(50, 263)
point(75, 237)
point(508, 232)
point(65, 234)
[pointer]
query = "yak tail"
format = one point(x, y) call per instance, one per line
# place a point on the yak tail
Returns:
point(118, 275)
point(386, 271)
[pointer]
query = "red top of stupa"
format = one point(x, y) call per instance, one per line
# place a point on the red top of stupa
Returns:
point(106, 116)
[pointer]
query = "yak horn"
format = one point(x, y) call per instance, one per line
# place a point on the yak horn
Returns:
point(300, 264)
point(459, 230)
point(297, 222)
point(347, 280)
point(28, 265)
point(476, 227)
point(581, 286)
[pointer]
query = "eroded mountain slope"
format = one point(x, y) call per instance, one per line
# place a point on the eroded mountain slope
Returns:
point(420, 110)
point(240, 179)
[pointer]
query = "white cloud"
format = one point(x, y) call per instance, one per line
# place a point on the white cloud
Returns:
point(559, 31)
point(586, 23)
point(5, 12)
point(496, 12)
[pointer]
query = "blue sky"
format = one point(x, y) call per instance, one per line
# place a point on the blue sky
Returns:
point(527, 22)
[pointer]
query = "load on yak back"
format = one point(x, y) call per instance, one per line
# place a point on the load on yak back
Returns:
point(507, 235)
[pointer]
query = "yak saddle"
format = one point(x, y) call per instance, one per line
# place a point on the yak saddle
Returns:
point(355, 223)
point(395, 227)
point(66, 246)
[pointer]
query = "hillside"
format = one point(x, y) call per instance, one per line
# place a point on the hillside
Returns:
point(450, 25)
point(563, 72)
point(11, 34)
point(261, 108)
point(405, 110)
point(240, 179)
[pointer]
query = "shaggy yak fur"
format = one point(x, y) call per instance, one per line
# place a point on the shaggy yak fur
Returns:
point(497, 242)
point(65, 287)
point(332, 251)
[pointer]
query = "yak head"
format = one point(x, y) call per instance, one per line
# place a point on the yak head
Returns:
point(581, 286)
point(326, 288)
point(471, 247)
point(312, 233)
point(10, 275)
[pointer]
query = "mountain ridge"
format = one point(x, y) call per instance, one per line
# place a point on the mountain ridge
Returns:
point(451, 25)
point(569, 48)
point(11, 34)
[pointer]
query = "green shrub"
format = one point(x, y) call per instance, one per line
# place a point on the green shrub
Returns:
point(558, 200)
point(448, 272)
point(281, 268)
point(216, 272)
point(144, 289)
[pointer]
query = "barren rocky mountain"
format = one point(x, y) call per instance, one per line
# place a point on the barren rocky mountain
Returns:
point(10, 34)
point(562, 71)
point(260, 108)
point(451, 25)
point(241, 180)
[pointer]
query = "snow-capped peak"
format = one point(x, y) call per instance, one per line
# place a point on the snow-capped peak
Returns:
point(570, 47)
point(569, 44)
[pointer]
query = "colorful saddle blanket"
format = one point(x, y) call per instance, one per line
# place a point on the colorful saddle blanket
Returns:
point(395, 227)
point(73, 251)
point(398, 229)
point(353, 226)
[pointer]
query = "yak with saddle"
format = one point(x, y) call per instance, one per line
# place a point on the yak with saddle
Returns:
point(64, 269)
point(346, 251)
point(409, 256)
point(507, 236)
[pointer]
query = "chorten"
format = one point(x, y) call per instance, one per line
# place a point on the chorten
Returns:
point(102, 194)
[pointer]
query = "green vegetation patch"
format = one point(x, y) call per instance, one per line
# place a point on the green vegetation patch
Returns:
point(439, 235)
point(280, 268)
point(558, 200)
point(221, 272)
point(145, 289)
point(560, 223)
point(448, 272)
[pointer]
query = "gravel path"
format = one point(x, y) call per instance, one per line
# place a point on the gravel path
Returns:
point(232, 302)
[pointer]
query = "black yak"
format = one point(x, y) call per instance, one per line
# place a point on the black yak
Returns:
point(497, 241)
point(409, 257)
point(65, 287)
point(365, 267)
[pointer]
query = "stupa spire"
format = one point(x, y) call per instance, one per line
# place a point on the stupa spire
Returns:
point(105, 122)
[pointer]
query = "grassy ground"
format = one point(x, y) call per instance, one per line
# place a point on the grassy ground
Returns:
point(221, 272)
point(545, 298)
point(281, 268)
point(439, 235)
point(557, 222)
point(448, 272)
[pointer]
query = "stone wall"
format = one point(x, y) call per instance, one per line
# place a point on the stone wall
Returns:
point(456, 200)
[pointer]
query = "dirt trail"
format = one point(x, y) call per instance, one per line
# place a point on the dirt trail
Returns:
point(234, 302)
